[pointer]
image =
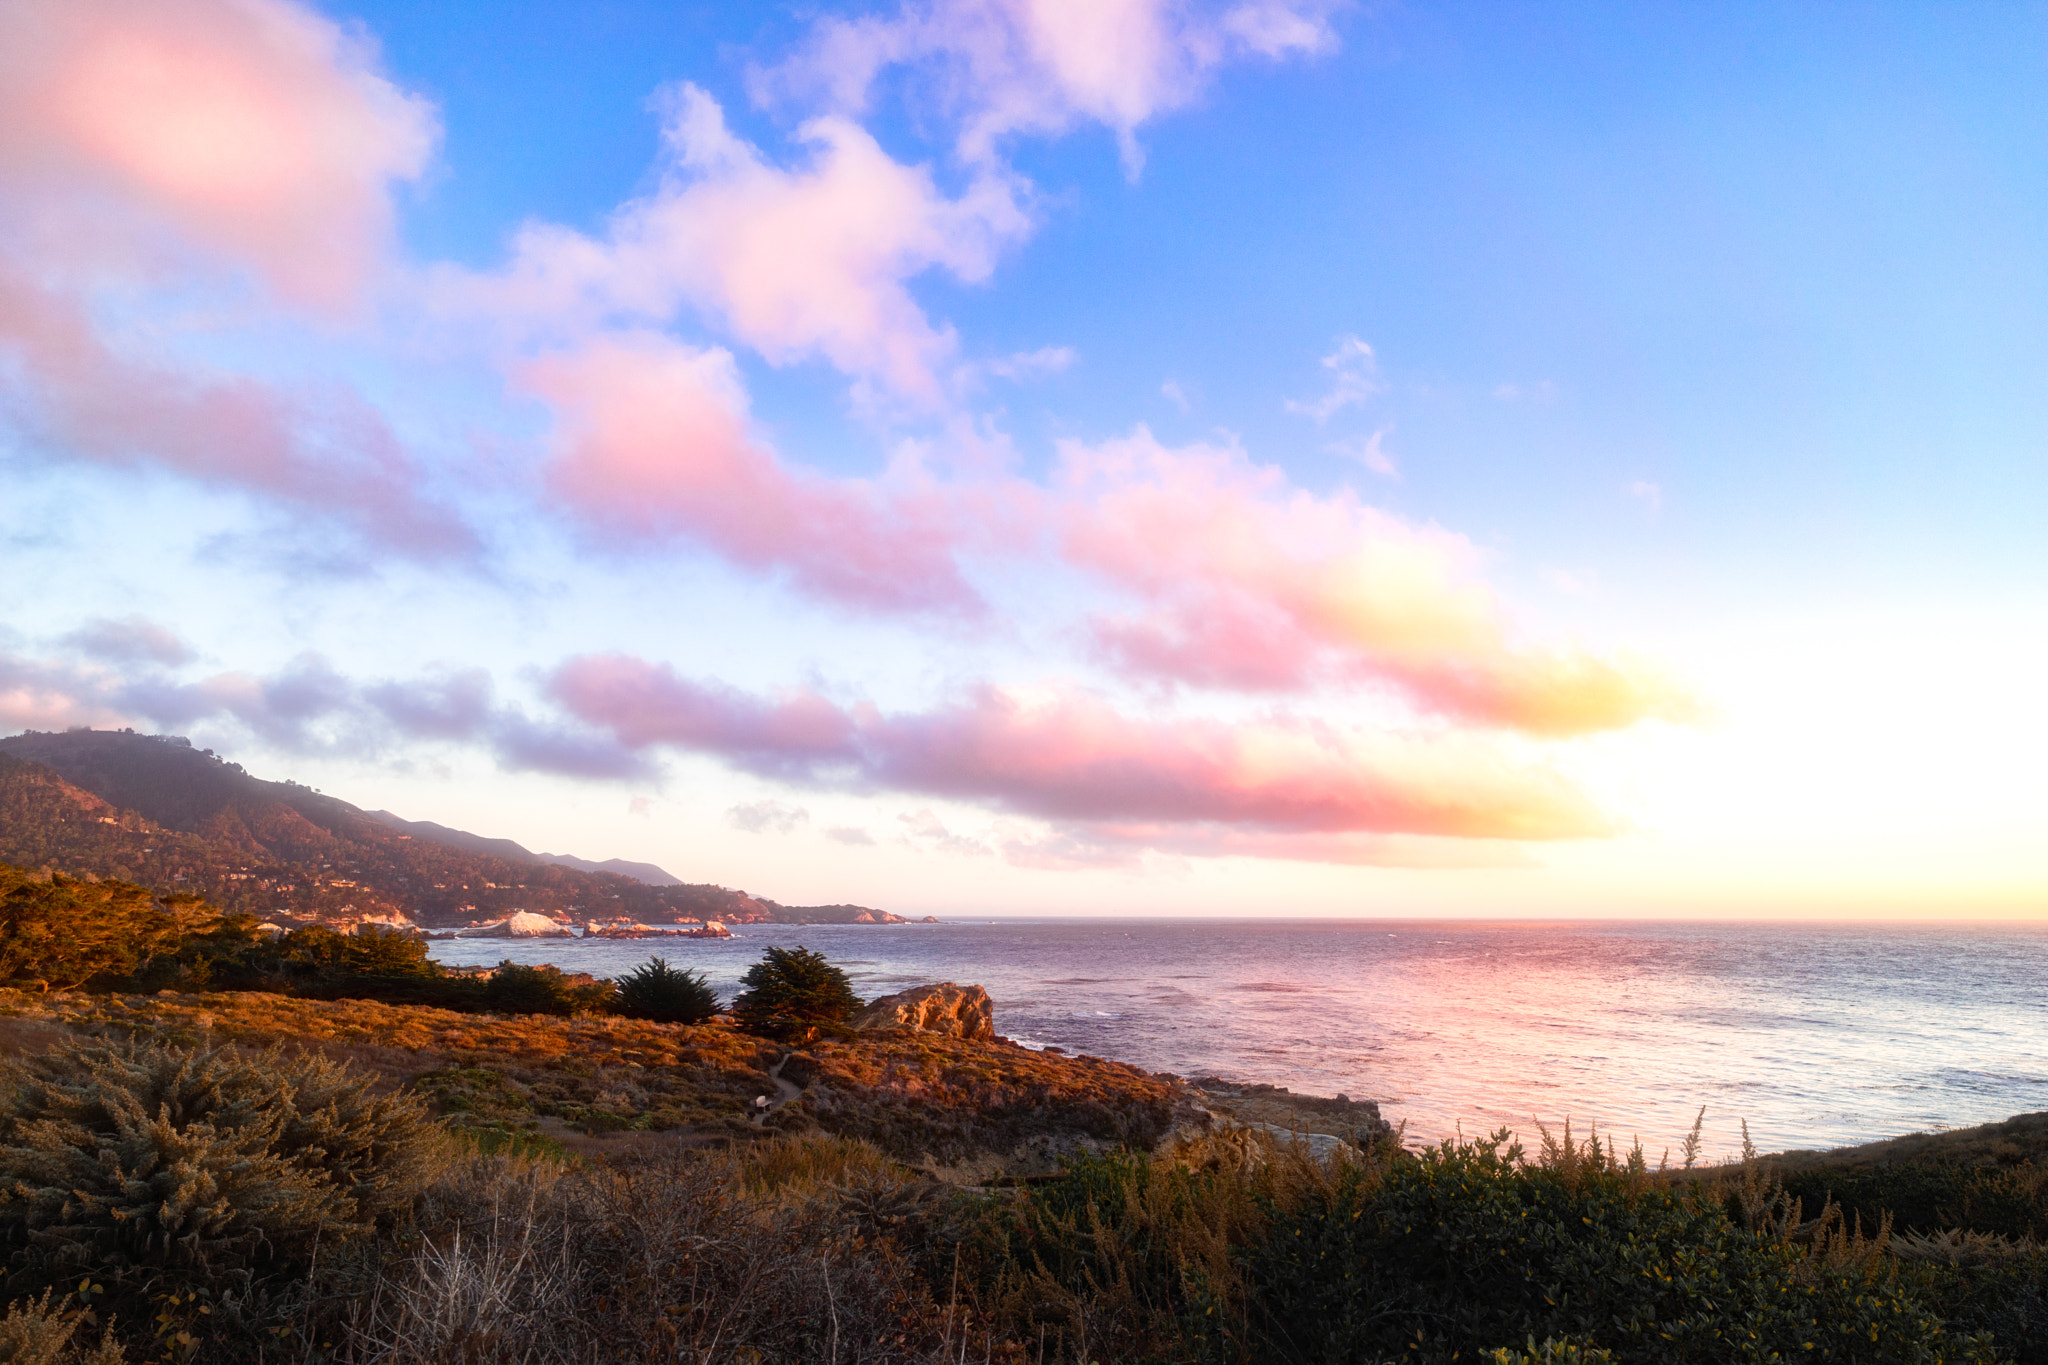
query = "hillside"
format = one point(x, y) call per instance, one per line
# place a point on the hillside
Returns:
point(154, 810)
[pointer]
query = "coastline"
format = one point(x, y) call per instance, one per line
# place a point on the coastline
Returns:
point(1464, 1027)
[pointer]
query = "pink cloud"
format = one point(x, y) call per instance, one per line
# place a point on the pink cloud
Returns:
point(1230, 576)
point(329, 453)
point(1070, 756)
point(1016, 66)
point(793, 263)
point(1111, 845)
point(154, 155)
point(254, 129)
point(1241, 580)
point(644, 705)
point(652, 441)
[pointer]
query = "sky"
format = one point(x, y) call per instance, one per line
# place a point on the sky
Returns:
point(1050, 456)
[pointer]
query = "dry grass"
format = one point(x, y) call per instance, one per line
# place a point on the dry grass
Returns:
point(1138, 1257)
point(600, 1082)
point(2020, 1139)
point(682, 1258)
point(935, 1099)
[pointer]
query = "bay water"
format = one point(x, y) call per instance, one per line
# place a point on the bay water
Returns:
point(1816, 1035)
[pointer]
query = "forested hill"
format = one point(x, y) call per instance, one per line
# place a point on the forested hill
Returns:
point(152, 809)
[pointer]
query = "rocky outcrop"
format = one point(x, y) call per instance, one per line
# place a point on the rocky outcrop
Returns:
point(713, 930)
point(956, 1011)
point(1277, 1110)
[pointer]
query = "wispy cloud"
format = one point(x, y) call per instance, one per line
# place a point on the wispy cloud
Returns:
point(767, 817)
point(132, 639)
point(1028, 365)
point(1006, 67)
point(1352, 373)
point(1370, 452)
point(927, 833)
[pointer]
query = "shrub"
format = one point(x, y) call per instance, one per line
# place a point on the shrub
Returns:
point(2004, 1293)
point(518, 989)
point(1237, 1249)
point(654, 990)
point(1141, 1258)
point(1927, 1196)
point(1551, 1352)
point(1463, 1247)
point(33, 1333)
point(147, 1164)
point(792, 991)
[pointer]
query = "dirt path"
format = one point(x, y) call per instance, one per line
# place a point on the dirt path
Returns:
point(785, 1091)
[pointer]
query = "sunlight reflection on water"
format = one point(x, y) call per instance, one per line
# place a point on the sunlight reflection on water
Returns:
point(1816, 1034)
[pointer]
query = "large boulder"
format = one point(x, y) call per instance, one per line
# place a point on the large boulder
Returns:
point(519, 924)
point(957, 1011)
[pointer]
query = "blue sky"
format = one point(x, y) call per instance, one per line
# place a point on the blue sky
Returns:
point(1629, 422)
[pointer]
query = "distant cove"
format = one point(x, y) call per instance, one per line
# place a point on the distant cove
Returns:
point(1818, 1035)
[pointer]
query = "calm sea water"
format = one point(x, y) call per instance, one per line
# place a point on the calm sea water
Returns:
point(1817, 1035)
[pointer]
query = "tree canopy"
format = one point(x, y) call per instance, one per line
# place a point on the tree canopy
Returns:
point(793, 988)
point(63, 931)
point(667, 995)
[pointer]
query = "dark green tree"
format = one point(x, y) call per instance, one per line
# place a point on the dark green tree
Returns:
point(518, 989)
point(668, 995)
point(373, 950)
point(792, 990)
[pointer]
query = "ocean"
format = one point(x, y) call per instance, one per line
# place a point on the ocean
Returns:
point(1816, 1035)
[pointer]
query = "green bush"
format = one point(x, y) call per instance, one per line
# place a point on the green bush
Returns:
point(152, 1165)
point(1458, 1252)
point(1463, 1247)
point(654, 990)
point(1925, 1196)
point(2003, 1295)
point(793, 991)
point(517, 989)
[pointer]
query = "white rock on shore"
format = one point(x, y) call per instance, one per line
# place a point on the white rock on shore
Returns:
point(519, 924)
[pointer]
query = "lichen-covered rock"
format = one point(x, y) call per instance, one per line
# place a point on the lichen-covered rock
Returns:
point(956, 1011)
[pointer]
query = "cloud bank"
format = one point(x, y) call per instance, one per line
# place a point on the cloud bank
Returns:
point(245, 154)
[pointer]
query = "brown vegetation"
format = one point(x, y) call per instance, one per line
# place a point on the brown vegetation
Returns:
point(920, 1097)
point(688, 1233)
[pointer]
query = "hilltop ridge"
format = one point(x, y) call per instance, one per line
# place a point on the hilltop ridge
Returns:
point(152, 809)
